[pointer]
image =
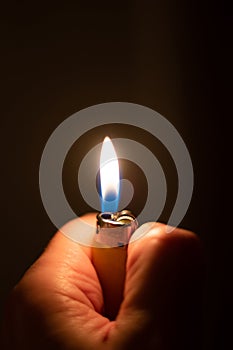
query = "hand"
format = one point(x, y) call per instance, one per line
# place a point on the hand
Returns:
point(58, 303)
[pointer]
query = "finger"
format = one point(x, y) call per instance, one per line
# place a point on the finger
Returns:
point(69, 269)
point(162, 291)
point(58, 301)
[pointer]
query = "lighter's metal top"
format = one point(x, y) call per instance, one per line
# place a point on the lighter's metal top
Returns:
point(120, 218)
point(115, 229)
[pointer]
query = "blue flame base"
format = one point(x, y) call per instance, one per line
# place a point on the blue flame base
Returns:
point(110, 206)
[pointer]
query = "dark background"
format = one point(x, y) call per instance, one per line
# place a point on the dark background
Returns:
point(173, 57)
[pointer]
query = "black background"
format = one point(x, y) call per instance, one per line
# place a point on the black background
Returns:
point(172, 57)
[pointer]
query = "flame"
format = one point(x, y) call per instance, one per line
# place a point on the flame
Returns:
point(109, 177)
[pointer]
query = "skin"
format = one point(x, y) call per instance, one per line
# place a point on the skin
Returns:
point(59, 304)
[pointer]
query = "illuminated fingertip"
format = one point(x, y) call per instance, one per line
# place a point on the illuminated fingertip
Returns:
point(142, 231)
point(169, 229)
